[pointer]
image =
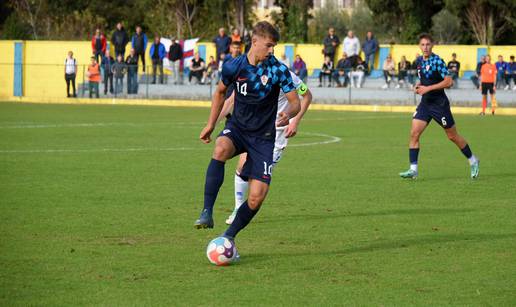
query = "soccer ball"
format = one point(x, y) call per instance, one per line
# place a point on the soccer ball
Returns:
point(221, 251)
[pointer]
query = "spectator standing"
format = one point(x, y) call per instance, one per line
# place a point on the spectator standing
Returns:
point(488, 76)
point(331, 42)
point(389, 71)
point(299, 67)
point(175, 55)
point(157, 52)
point(235, 36)
point(370, 47)
point(343, 70)
point(403, 68)
point(139, 44)
point(107, 65)
point(476, 78)
point(247, 40)
point(70, 71)
point(98, 45)
point(222, 42)
point(352, 46)
point(132, 72)
point(454, 69)
point(197, 67)
point(502, 69)
point(119, 69)
point(358, 72)
point(326, 71)
point(93, 77)
point(119, 39)
point(512, 71)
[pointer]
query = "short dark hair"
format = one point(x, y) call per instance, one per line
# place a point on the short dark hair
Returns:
point(236, 43)
point(454, 54)
point(265, 29)
point(426, 36)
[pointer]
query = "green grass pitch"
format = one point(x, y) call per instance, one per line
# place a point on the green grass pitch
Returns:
point(97, 205)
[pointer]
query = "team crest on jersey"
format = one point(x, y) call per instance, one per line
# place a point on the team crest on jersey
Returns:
point(264, 79)
point(427, 67)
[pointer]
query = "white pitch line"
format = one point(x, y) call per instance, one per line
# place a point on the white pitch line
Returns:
point(89, 125)
point(332, 139)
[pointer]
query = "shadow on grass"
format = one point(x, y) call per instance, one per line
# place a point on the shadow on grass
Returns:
point(362, 247)
point(338, 215)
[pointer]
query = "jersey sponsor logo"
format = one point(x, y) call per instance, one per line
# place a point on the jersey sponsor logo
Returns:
point(264, 79)
point(241, 79)
point(226, 131)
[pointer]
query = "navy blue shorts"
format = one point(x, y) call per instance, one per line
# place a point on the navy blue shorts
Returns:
point(439, 111)
point(259, 153)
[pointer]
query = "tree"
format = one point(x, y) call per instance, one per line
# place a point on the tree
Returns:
point(407, 18)
point(446, 27)
point(326, 17)
point(292, 20)
point(490, 21)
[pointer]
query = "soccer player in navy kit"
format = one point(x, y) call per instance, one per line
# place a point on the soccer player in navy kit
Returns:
point(257, 77)
point(434, 78)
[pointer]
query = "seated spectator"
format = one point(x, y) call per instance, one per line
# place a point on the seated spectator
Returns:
point(389, 71)
point(119, 69)
point(197, 67)
point(132, 72)
point(212, 70)
point(403, 67)
point(326, 71)
point(285, 60)
point(412, 72)
point(344, 67)
point(512, 72)
point(93, 75)
point(475, 78)
point(358, 72)
point(299, 68)
point(502, 73)
point(454, 69)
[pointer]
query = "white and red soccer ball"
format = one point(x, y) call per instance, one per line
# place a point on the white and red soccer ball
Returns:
point(221, 251)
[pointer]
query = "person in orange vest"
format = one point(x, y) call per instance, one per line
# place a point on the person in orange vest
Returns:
point(488, 80)
point(93, 77)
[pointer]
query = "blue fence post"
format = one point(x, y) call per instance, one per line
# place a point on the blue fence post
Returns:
point(382, 55)
point(202, 52)
point(289, 53)
point(480, 53)
point(18, 69)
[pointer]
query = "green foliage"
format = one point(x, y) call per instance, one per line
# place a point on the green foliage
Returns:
point(326, 17)
point(446, 27)
point(292, 20)
point(14, 28)
point(407, 18)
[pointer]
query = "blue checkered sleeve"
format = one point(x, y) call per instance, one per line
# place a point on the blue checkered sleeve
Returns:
point(228, 72)
point(285, 79)
point(441, 68)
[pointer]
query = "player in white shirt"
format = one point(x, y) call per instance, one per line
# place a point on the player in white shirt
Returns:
point(282, 136)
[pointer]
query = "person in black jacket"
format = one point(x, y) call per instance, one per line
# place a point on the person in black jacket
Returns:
point(326, 71)
point(107, 65)
point(132, 72)
point(175, 55)
point(119, 39)
point(331, 43)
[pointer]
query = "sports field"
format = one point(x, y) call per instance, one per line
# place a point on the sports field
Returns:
point(97, 205)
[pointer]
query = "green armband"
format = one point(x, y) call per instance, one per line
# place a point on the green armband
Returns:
point(302, 89)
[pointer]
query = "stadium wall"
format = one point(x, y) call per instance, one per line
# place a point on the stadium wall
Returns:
point(42, 72)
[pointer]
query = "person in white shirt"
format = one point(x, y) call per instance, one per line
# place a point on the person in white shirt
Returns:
point(351, 46)
point(70, 70)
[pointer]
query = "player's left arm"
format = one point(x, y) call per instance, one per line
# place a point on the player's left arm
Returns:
point(287, 86)
point(447, 81)
point(303, 90)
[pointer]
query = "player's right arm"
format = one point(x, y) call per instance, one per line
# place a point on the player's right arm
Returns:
point(217, 103)
point(227, 108)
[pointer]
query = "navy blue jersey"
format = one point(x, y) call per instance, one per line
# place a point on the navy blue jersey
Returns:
point(430, 72)
point(256, 93)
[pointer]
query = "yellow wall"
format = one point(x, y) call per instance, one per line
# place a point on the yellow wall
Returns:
point(43, 72)
point(505, 51)
point(6, 68)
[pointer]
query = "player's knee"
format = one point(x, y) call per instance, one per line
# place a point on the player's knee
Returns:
point(220, 153)
point(452, 136)
point(415, 134)
point(255, 200)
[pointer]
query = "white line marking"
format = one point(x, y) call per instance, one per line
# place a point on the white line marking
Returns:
point(331, 139)
point(89, 125)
